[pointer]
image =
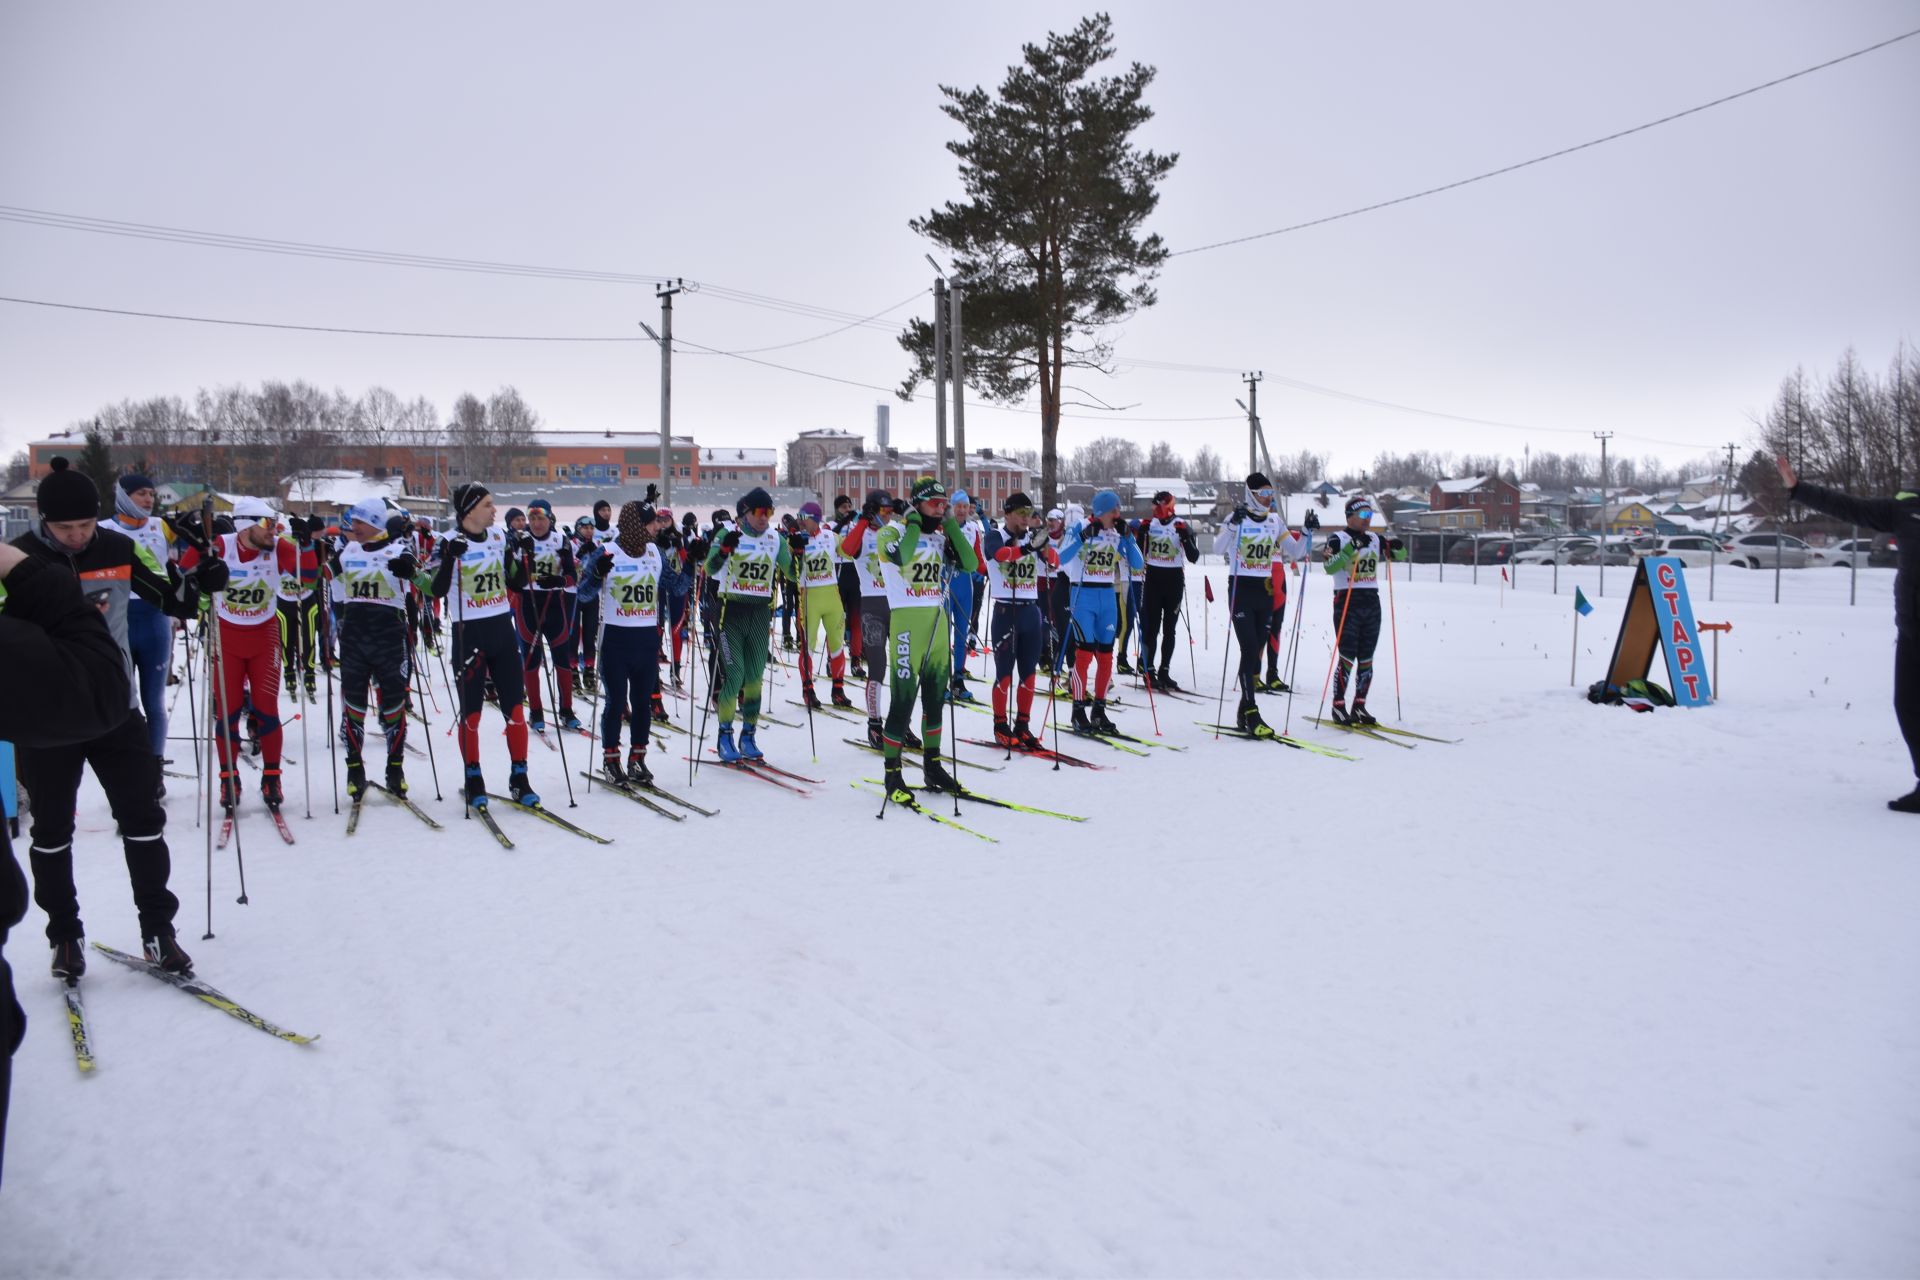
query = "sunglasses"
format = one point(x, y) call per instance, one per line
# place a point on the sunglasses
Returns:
point(759, 511)
point(1263, 494)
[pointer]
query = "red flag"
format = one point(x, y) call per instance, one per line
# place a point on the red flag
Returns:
point(1209, 585)
point(1503, 574)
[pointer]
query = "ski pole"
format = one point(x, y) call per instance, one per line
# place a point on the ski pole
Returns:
point(1233, 577)
point(806, 672)
point(1293, 655)
point(1339, 635)
point(230, 733)
point(1393, 629)
point(193, 720)
point(553, 688)
point(306, 767)
point(713, 680)
point(326, 669)
point(207, 654)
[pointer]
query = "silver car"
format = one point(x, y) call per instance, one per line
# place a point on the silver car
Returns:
point(1766, 550)
point(1552, 551)
point(1694, 550)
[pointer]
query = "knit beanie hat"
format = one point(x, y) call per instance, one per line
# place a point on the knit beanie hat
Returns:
point(135, 482)
point(465, 498)
point(636, 523)
point(754, 499)
point(66, 494)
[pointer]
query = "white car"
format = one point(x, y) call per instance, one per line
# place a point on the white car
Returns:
point(1694, 550)
point(1765, 550)
point(1552, 551)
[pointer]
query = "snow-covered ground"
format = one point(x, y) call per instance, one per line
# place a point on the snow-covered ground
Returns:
point(1590, 993)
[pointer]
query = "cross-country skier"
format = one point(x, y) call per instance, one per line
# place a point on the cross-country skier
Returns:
point(1097, 547)
point(375, 571)
point(744, 562)
point(1353, 558)
point(298, 610)
point(1019, 557)
point(149, 629)
point(1252, 539)
point(963, 591)
point(817, 553)
point(547, 616)
point(110, 569)
point(625, 574)
point(1167, 545)
point(917, 552)
point(676, 583)
point(246, 612)
point(848, 572)
point(596, 534)
point(485, 645)
point(861, 546)
point(1899, 516)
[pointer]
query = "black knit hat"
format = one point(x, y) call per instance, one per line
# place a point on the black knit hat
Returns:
point(465, 498)
point(66, 494)
point(754, 499)
point(1017, 502)
point(1258, 481)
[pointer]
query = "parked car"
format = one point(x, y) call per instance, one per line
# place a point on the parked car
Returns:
point(1552, 551)
point(1877, 552)
point(1488, 548)
point(1765, 550)
point(1428, 546)
point(1694, 550)
point(1614, 553)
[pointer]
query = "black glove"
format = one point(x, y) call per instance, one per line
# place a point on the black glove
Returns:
point(869, 511)
point(1395, 546)
point(521, 541)
point(333, 559)
point(798, 541)
point(1037, 537)
point(453, 548)
point(1361, 539)
point(1313, 520)
point(550, 582)
point(666, 539)
point(731, 541)
point(603, 564)
point(1239, 514)
point(1333, 544)
point(404, 566)
point(210, 575)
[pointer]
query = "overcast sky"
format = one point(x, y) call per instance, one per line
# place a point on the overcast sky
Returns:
point(1658, 286)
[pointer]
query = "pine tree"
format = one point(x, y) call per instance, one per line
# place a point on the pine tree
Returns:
point(96, 463)
point(1047, 243)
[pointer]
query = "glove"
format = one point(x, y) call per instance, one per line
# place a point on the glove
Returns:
point(1313, 520)
point(1180, 526)
point(653, 494)
point(550, 582)
point(1008, 554)
point(1239, 514)
point(333, 559)
point(1333, 545)
point(404, 566)
point(1395, 546)
point(1037, 536)
point(521, 541)
point(869, 510)
point(731, 541)
point(1362, 539)
point(603, 564)
point(453, 548)
point(798, 541)
point(913, 519)
point(210, 575)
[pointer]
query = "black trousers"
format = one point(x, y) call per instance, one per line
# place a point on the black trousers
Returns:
point(129, 773)
point(489, 649)
point(1160, 599)
point(1358, 621)
point(1252, 601)
point(373, 652)
point(1906, 691)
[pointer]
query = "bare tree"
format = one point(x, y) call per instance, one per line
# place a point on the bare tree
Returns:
point(511, 425)
point(19, 468)
point(1162, 460)
point(1205, 465)
point(380, 417)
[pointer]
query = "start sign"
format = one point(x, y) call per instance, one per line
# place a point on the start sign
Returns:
point(1660, 616)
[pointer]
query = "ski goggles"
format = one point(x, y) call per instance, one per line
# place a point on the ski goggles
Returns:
point(1365, 513)
point(762, 512)
point(1265, 495)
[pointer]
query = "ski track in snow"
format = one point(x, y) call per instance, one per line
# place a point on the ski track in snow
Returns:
point(1591, 993)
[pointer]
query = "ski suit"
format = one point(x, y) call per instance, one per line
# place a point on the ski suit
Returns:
point(1354, 561)
point(919, 637)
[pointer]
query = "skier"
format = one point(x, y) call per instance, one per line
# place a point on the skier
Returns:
point(849, 583)
point(484, 643)
point(547, 616)
point(1899, 516)
point(1018, 558)
point(149, 629)
point(861, 547)
point(961, 593)
point(1126, 587)
point(1097, 547)
point(817, 552)
point(1251, 539)
point(1353, 558)
point(375, 571)
point(257, 559)
point(110, 569)
point(1164, 540)
point(625, 574)
point(1276, 627)
point(917, 552)
point(676, 584)
point(744, 562)
point(68, 681)
point(296, 610)
point(597, 533)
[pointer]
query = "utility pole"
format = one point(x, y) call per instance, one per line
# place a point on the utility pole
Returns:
point(940, 381)
point(1253, 420)
point(665, 338)
point(1719, 517)
point(1603, 437)
point(959, 352)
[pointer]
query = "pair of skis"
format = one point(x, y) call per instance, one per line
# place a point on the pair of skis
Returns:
point(993, 802)
point(353, 813)
point(279, 824)
point(914, 806)
point(785, 779)
point(639, 795)
point(82, 1036)
point(1382, 732)
point(1298, 744)
point(1040, 753)
point(868, 747)
point(485, 813)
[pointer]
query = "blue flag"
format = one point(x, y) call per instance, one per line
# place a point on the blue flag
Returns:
point(1581, 605)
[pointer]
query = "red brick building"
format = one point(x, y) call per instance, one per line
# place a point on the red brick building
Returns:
point(1497, 501)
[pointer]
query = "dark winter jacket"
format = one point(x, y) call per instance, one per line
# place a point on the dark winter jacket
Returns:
point(1899, 516)
point(62, 680)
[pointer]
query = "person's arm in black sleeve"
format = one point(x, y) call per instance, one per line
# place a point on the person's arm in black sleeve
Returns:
point(443, 571)
point(1882, 515)
point(518, 579)
point(66, 678)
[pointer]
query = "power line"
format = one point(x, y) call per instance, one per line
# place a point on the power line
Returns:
point(1551, 155)
point(317, 328)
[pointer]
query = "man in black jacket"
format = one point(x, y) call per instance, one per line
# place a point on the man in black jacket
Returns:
point(1899, 516)
point(66, 682)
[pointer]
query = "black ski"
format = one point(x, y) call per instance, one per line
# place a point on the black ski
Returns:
point(408, 805)
point(195, 987)
point(622, 789)
point(540, 811)
point(77, 1027)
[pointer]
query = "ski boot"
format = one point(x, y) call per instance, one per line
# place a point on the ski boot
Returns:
point(896, 786)
point(1081, 724)
point(356, 779)
point(164, 953)
point(537, 723)
point(859, 670)
point(1024, 739)
point(396, 777)
point(1165, 681)
point(1361, 715)
point(1908, 803)
point(723, 745)
point(935, 775)
point(1099, 718)
point(1338, 714)
point(313, 689)
point(911, 741)
point(959, 692)
point(1122, 666)
point(749, 749)
point(676, 682)
point(876, 734)
point(610, 765)
point(476, 787)
point(1003, 734)
point(812, 699)
point(1250, 722)
point(638, 774)
point(229, 790)
point(840, 698)
point(660, 709)
point(520, 787)
point(270, 787)
point(70, 960)
point(589, 681)
point(571, 722)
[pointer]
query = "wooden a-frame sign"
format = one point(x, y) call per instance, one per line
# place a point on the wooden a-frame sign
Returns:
point(1660, 616)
